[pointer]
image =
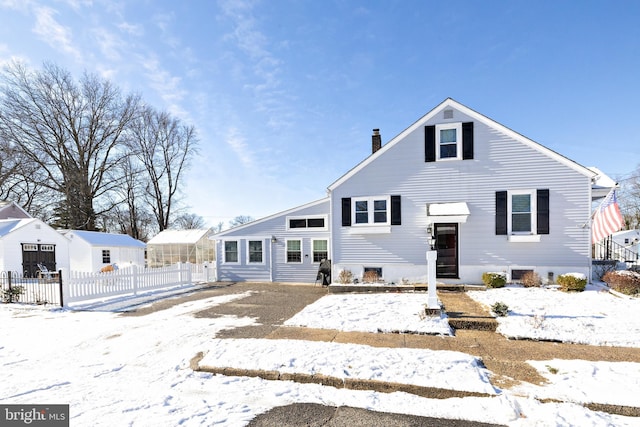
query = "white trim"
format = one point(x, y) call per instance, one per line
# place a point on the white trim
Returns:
point(371, 211)
point(286, 251)
point(523, 238)
point(533, 211)
point(224, 251)
point(326, 239)
point(450, 103)
point(249, 262)
point(307, 217)
point(448, 126)
point(370, 229)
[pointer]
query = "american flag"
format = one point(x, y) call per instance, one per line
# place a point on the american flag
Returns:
point(607, 219)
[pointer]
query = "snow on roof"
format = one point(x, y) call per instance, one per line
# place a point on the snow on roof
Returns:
point(178, 236)
point(96, 238)
point(8, 225)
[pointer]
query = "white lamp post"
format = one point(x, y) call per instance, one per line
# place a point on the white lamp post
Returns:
point(432, 254)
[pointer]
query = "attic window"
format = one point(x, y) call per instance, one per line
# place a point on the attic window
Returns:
point(448, 114)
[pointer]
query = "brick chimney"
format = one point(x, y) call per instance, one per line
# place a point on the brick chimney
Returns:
point(376, 141)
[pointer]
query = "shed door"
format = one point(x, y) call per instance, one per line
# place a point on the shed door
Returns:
point(447, 247)
point(34, 254)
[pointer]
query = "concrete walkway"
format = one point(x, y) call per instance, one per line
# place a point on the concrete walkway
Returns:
point(474, 334)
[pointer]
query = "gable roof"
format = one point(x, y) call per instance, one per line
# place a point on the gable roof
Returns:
point(10, 209)
point(9, 225)
point(270, 217)
point(166, 237)
point(451, 103)
point(96, 238)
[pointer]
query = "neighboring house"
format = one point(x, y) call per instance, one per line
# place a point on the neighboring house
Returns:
point(11, 210)
point(27, 242)
point(172, 246)
point(90, 251)
point(489, 198)
point(626, 247)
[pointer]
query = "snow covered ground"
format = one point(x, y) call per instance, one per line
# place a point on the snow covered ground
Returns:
point(593, 317)
point(126, 370)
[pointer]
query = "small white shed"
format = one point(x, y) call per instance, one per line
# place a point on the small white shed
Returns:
point(90, 251)
point(27, 242)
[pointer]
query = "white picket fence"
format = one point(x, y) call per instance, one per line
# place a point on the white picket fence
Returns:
point(81, 286)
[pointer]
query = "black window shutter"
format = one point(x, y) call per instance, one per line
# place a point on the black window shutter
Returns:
point(429, 143)
point(542, 206)
point(467, 141)
point(501, 212)
point(396, 211)
point(346, 211)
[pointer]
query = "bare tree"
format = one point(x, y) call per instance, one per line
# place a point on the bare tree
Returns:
point(629, 200)
point(239, 220)
point(164, 147)
point(73, 132)
point(189, 221)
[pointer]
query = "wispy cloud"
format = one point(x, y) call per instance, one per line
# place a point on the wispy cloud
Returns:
point(266, 67)
point(239, 146)
point(166, 85)
point(53, 33)
point(131, 29)
point(110, 44)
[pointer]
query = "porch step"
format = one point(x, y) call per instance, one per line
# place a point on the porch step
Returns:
point(466, 314)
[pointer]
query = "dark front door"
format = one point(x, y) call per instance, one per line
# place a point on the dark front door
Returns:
point(447, 247)
point(34, 254)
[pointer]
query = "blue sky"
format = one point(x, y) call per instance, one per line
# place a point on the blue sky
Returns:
point(284, 93)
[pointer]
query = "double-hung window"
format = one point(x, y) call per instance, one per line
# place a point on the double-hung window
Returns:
point(449, 141)
point(522, 207)
point(106, 256)
point(371, 210)
point(255, 251)
point(294, 251)
point(231, 251)
point(320, 250)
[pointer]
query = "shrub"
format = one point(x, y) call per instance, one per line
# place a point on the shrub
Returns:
point(370, 276)
point(345, 277)
point(531, 279)
point(494, 280)
point(572, 282)
point(13, 294)
point(500, 309)
point(626, 282)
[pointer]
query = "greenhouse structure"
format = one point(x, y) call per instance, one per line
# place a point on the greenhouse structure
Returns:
point(173, 246)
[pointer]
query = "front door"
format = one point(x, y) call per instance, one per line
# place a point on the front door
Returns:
point(447, 246)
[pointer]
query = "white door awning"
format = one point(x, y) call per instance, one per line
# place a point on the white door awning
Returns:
point(447, 212)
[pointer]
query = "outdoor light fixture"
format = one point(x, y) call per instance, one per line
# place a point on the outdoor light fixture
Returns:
point(432, 238)
point(273, 239)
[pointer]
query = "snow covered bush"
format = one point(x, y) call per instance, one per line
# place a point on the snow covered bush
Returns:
point(500, 309)
point(531, 279)
point(345, 277)
point(494, 280)
point(626, 282)
point(572, 282)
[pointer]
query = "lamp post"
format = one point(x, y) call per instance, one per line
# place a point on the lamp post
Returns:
point(433, 307)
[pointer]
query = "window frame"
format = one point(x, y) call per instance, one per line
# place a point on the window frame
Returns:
point(533, 212)
point(306, 219)
point(249, 252)
point(106, 256)
point(286, 251)
point(313, 250)
point(224, 252)
point(371, 211)
point(457, 126)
